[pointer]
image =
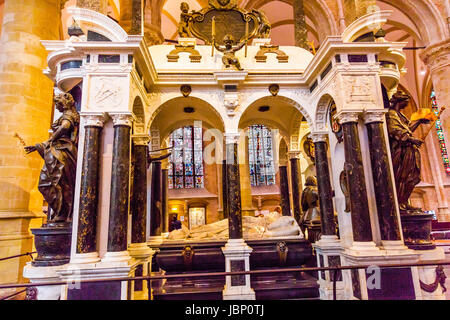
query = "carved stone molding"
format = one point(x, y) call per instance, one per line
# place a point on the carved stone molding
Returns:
point(141, 139)
point(359, 88)
point(374, 116)
point(437, 55)
point(261, 54)
point(294, 154)
point(93, 119)
point(122, 119)
point(231, 137)
point(319, 136)
point(194, 56)
point(347, 116)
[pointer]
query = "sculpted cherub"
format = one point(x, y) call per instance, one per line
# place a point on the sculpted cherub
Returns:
point(183, 27)
point(228, 49)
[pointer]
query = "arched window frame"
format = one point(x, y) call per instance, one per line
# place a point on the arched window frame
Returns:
point(261, 156)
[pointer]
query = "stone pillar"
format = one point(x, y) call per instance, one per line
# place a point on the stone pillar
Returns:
point(382, 177)
point(156, 204)
point(296, 184)
point(284, 191)
point(236, 251)
point(165, 200)
point(300, 31)
point(224, 190)
point(326, 192)
point(120, 190)
point(90, 172)
point(355, 9)
point(26, 109)
point(138, 205)
point(233, 189)
point(96, 5)
point(362, 231)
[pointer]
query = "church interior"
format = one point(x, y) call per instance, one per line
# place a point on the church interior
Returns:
point(168, 143)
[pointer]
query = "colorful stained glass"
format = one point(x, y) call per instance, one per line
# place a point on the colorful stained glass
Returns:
point(186, 162)
point(261, 156)
point(440, 135)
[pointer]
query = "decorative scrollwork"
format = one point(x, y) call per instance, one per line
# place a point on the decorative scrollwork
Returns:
point(261, 54)
point(440, 280)
point(194, 56)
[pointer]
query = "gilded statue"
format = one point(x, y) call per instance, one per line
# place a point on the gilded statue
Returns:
point(183, 26)
point(310, 202)
point(57, 178)
point(229, 48)
point(404, 150)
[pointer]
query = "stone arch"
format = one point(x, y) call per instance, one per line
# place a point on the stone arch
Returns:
point(171, 114)
point(138, 111)
point(99, 23)
point(425, 15)
point(322, 111)
point(317, 10)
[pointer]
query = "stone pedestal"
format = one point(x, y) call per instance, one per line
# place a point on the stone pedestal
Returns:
point(237, 258)
point(143, 254)
point(328, 251)
point(52, 243)
point(107, 269)
point(44, 275)
point(430, 280)
point(417, 231)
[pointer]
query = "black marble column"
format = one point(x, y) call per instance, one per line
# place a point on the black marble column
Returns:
point(234, 192)
point(382, 180)
point(325, 190)
point(300, 31)
point(354, 169)
point(164, 202)
point(156, 200)
point(138, 206)
point(295, 182)
point(224, 190)
point(284, 191)
point(120, 177)
point(87, 213)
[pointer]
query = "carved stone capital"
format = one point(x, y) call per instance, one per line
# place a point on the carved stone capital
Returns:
point(437, 56)
point(294, 154)
point(231, 137)
point(122, 119)
point(347, 116)
point(93, 119)
point(374, 116)
point(141, 139)
point(319, 136)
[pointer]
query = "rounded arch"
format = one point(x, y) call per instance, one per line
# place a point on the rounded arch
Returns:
point(425, 15)
point(173, 113)
point(321, 117)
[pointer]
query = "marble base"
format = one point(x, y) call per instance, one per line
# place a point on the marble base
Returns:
point(427, 275)
point(237, 258)
point(44, 275)
point(140, 251)
point(328, 252)
point(117, 290)
point(83, 258)
point(154, 241)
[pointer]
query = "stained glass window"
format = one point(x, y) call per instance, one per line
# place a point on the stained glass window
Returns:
point(186, 161)
point(260, 153)
point(440, 134)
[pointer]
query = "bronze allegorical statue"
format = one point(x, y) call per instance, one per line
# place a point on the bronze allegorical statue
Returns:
point(404, 150)
point(57, 178)
point(183, 26)
point(229, 59)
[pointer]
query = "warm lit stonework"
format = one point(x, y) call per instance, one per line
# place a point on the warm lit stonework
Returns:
point(306, 133)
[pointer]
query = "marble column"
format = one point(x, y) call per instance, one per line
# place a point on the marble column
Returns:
point(156, 201)
point(382, 177)
point(362, 230)
point(138, 205)
point(300, 31)
point(247, 208)
point(165, 200)
point(120, 189)
point(233, 188)
point(296, 184)
point(284, 191)
point(326, 192)
point(224, 190)
point(89, 182)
